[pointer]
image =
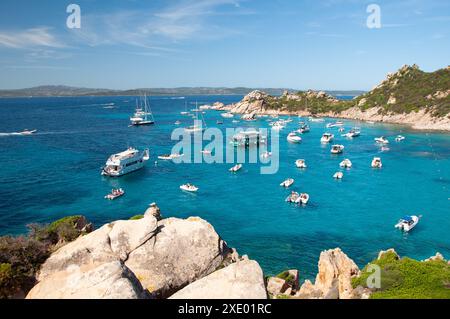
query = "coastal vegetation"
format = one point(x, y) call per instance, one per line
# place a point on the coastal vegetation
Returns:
point(406, 278)
point(22, 256)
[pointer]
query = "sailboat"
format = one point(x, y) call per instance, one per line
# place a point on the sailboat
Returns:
point(143, 116)
point(185, 112)
point(196, 127)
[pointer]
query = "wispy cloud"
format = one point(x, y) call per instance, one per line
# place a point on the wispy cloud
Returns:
point(35, 37)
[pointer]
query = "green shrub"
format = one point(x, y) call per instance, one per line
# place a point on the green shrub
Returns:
point(137, 217)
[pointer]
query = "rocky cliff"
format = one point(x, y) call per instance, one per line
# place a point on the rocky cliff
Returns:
point(408, 96)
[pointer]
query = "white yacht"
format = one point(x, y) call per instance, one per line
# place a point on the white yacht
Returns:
point(143, 116)
point(407, 223)
point(354, 132)
point(227, 115)
point(337, 149)
point(327, 138)
point(125, 162)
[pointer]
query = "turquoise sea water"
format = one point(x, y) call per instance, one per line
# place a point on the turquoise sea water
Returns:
point(57, 173)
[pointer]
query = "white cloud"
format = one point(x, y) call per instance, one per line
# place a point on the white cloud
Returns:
point(35, 37)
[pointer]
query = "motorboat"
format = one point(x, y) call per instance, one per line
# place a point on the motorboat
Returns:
point(300, 163)
point(236, 168)
point(354, 132)
point(115, 193)
point(227, 115)
point(287, 183)
point(381, 140)
point(338, 175)
point(125, 162)
point(317, 120)
point(400, 138)
point(206, 152)
point(376, 163)
point(168, 157)
point(189, 188)
point(303, 199)
point(294, 138)
point(248, 138)
point(235, 121)
point(346, 163)
point(327, 138)
point(219, 122)
point(341, 130)
point(337, 149)
point(385, 149)
point(338, 123)
point(304, 129)
point(407, 223)
point(27, 132)
point(293, 197)
point(177, 122)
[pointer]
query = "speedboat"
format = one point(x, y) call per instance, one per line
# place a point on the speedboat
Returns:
point(189, 188)
point(346, 163)
point(167, 157)
point(338, 175)
point(338, 123)
point(287, 183)
point(317, 120)
point(407, 223)
point(354, 132)
point(125, 162)
point(337, 149)
point(115, 193)
point(235, 168)
point(27, 132)
point(400, 138)
point(376, 163)
point(327, 138)
point(381, 140)
point(300, 163)
point(304, 198)
point(294, 138)
point(227, 115)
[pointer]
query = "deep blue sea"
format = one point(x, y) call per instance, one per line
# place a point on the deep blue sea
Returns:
point(56, 173)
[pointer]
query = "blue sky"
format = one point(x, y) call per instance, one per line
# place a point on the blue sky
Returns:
point(255, 43)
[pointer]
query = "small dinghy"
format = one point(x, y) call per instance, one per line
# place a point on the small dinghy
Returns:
point(381, 140)
point(346, 163)
point(327, 138)
point(337, 149)
point(189, 188)
point(338, 175)
point(287, 183)
point(293, 197)
point(376, 163)
point(400, 138)
point(300, 163)
point(115, 193)
point(294, 138)
point(236, 168)
point(304, 129)
point(407, 223)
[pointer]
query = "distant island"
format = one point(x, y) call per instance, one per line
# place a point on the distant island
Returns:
point(62, 90)
point(409, 96)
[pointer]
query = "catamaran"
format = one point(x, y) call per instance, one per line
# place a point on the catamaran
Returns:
point(143, 116)
point(125, 162)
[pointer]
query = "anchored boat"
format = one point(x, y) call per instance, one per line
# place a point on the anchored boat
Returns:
point(376, 163)
point(337, 149)
point(300, 163)
point(143, 116)
point(294, 138)
point(125, 162)
point(338, 175)
point(381, 140)
point(346, 163)
point(287, 183)
point(236, 168)
point(189, 188)
point(115, 193)
point(327, 138)
point(407, 223)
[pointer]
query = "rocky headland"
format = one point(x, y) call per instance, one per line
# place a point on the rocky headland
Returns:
point(409, 96)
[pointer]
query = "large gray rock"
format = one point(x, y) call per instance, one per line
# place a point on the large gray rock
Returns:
point(241, 280)
point(132, 259)
point(111, 280)
point(182, 252)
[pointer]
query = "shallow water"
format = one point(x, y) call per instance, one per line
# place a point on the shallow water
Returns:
point(57, 173)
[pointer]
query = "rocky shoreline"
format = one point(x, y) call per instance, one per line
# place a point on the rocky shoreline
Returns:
point(154, 258)
point(254, 104)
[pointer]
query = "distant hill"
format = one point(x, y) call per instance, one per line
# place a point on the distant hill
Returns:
point(60, 90)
